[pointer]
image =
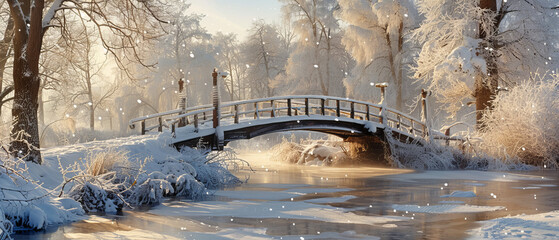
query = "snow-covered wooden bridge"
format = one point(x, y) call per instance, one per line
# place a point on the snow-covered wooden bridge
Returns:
point(217, 124)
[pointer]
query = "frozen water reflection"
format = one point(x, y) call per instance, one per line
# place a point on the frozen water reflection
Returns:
point(283, 201)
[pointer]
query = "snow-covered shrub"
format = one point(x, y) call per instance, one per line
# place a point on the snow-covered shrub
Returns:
point(95, 198)
point(434, 156)
point(213, 170)
point(25, 203)
point(149, 192)
point(523, 123)
point(98, 181)
point(189, 187)
point(287, 151)
point(326, 153)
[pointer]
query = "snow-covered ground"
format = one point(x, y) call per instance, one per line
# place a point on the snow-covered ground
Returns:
point(536, 226)
point(148, 164)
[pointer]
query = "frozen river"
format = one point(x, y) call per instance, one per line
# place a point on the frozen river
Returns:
point(282, 201)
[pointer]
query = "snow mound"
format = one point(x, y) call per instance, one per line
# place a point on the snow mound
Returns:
point(537, 226)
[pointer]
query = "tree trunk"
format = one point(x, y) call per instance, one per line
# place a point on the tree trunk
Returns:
point(27, 50)
point(486, 84)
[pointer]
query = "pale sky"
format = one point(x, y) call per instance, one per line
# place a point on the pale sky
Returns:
point(235, 15)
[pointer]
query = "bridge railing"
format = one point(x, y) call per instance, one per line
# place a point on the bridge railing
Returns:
point(285, 106)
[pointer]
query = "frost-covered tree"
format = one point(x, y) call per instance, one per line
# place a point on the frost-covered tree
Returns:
point(263, 56)
point(229, 57)
point(174, 51)
point(32, 18)
point(375, 37)
point(318, 62)
point(472, 47)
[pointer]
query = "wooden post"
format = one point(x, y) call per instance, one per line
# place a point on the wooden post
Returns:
point(289, 107)
point(272, 113)
point(204, 115)
point(323, 106)
point(368, 113)
point(447, 134)
point(307, 107)
point(160, 128)
point(236, 114)
point(399, 121)
point(256, 113)
point(424, 110)
point(143, 127)
point(173, 130)
point(382, 118)
point(215, 100)
point(424, 105)
point(338, 108)
point(352, 113)
point(195, 122)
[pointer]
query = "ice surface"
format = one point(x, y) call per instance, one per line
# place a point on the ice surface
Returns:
point(446, 208)
point(460, 194)
point(468, 175)
point(270, 209)
point(331, 200)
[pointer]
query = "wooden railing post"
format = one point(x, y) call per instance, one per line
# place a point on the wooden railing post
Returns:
point(216, 113)
point(323, 106)
point(236, 114)
point(256, 113)
point(289, 107)
point(447, 134)
point(173, 130)
point(399, 121)
point(424, 110)
point(338, 112)
point(307, 107)
point(368, 113)
point(352, 113)
point(273, 112)
point(160, 128)
point(204, 116)
point(143, 127)
point(195, 122)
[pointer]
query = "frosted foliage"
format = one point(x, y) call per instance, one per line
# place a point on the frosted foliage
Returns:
point(523, 123)
point(318, 63)
point(445, 61)
point(375, 38)
point(519, 38)
point(433, 156)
